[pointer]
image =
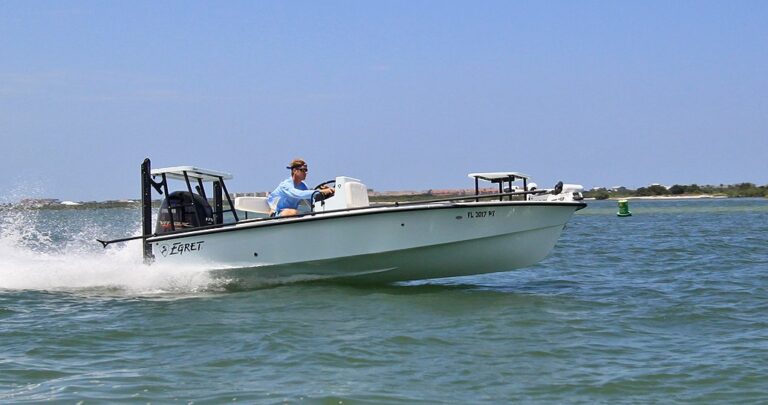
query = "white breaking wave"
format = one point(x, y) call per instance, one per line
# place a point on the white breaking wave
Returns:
point(30, 259)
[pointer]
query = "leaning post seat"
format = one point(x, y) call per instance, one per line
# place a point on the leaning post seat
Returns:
point(256, 205)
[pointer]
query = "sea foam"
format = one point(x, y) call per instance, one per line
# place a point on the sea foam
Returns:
point(48, 250)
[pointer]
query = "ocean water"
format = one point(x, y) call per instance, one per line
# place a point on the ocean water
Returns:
point(667, 306)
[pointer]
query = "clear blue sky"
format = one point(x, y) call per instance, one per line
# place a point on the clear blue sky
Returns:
point(402, 94)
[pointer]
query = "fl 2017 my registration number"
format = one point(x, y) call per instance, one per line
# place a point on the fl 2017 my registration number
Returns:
point(481, 214)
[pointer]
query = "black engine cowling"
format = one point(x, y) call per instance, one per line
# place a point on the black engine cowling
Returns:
point(187, 210)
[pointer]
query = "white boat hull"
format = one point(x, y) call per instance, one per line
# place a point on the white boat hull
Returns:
point(376, 245)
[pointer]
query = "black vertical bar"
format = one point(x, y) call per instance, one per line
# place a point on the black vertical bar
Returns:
point(525, 187)
point(477, 189)
point(218, 203)
point(501, 189)
point(194, 201)
point(189, 186)
point(146, 210)
point(168, 206)
point(229, 199)
point(201, 189)
point(195, 204)
point(165, 184)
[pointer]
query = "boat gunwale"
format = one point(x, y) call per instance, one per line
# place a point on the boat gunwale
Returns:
point(349, 212)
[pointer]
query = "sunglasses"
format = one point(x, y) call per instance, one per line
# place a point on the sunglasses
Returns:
point(302, 169)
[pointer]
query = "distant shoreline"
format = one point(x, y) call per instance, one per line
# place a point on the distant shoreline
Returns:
point(392, 199)
point(674, 197)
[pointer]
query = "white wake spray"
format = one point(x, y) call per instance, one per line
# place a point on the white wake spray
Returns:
point(34, 256)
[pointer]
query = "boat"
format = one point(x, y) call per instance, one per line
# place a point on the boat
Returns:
point(345, 237)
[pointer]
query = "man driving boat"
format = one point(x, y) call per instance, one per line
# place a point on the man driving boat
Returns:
point(284, 200)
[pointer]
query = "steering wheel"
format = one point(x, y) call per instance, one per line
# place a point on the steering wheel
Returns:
point(325, 183)
point(317, 197)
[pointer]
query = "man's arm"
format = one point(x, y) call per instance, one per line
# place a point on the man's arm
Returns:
point(292, 192)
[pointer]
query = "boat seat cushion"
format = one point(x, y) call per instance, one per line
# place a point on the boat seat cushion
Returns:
point(252, 204)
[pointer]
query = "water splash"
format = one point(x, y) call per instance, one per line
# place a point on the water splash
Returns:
point(56, 250)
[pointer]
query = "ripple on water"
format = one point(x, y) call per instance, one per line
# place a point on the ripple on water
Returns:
point(667, 306)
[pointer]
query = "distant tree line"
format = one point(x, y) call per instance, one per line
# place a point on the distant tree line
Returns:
point(730, 190)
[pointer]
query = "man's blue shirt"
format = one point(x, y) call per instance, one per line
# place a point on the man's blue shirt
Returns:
point(288, 195)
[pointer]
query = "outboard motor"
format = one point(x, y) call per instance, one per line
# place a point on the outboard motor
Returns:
point(187, 210)
point(561, 192)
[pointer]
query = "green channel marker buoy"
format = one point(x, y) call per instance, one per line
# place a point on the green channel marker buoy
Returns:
point(624, 209)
